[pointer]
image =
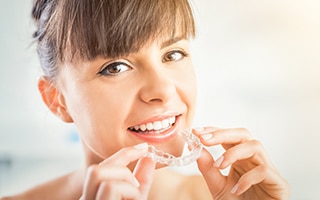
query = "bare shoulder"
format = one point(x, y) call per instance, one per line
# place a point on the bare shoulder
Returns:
point(54, 189)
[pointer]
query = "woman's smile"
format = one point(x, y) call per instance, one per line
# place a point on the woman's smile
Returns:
point(157, 129)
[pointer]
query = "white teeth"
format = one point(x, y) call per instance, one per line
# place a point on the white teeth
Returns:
point(157, 125)
point(143, 127)
point(149, 126)
point(172, 120)
point(165, 123)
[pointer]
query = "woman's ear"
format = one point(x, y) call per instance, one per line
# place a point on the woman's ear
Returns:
point(54, 99)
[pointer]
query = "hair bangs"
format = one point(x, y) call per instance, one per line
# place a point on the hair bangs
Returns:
point(98, 28)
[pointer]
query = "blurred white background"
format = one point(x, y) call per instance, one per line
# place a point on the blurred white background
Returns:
point(258, 66)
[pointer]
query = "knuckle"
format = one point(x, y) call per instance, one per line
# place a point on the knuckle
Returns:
point(264, 169)
point(259, 150)
point(256, 143)
point(93, 171)
point(107, 186)
point(245, 132)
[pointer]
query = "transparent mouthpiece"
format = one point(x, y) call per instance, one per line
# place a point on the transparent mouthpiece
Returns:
point(193, 143)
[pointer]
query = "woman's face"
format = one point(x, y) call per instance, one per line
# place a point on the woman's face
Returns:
point(146, 96)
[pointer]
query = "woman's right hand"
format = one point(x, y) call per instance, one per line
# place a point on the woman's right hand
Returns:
point(112, 179)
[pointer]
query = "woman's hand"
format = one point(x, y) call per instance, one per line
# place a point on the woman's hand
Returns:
point(251, 176)
point(112, 179)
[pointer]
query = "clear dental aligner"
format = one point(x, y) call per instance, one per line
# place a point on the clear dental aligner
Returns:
point(193, 143)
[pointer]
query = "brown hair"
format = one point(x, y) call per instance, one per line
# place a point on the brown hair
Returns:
point(85, 29)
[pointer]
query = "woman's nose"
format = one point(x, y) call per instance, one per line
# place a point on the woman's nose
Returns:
point(158, 87)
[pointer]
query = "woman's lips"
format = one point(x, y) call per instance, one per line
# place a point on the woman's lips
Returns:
point(156, 131)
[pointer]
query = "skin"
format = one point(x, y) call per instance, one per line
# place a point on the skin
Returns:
point(156, 82)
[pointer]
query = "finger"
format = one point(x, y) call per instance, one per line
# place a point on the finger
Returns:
point(251, 150)
point(259, 174)
point(113, 168)
point(224, 136)
point(117, 190)
point(215, 180)
point(97, 174)
point(204, 130)
point(144, 172)
point(127, 155)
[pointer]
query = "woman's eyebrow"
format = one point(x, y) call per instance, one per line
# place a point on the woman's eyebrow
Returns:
point(171, 41)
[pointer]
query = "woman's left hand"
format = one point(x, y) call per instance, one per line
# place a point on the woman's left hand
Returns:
point(252, 174)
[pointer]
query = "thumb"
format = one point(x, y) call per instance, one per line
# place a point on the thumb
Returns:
point(143, 172)
point(215, 180)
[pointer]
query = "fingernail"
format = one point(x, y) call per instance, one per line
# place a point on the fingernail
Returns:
point(218, 162)
point(206, 136)
point(141, 146)
point(235, 189)
point(199, 129)
point(136, 182)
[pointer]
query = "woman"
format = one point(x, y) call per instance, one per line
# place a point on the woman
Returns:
point(121, 71)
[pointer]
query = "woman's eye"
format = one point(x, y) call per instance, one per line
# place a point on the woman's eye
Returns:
point(174, 56)
point(114, 69)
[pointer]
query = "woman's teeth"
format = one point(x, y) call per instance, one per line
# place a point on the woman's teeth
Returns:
point(155, 126)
